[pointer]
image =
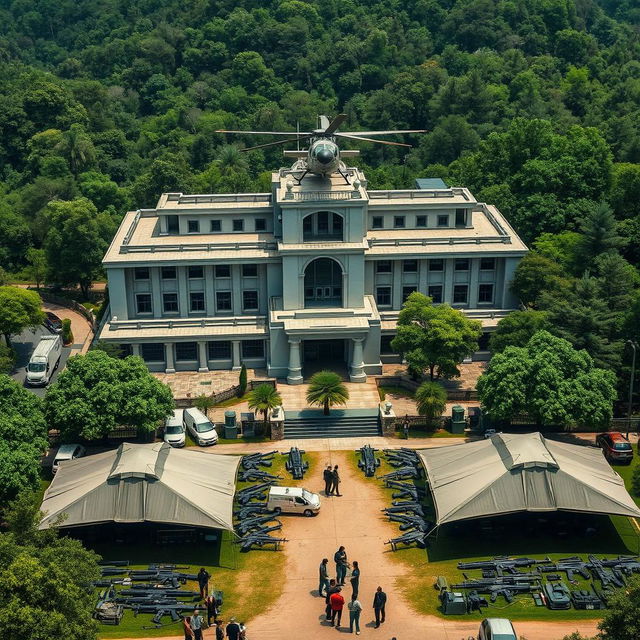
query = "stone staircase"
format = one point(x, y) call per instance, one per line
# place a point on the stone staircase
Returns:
point(341, 423)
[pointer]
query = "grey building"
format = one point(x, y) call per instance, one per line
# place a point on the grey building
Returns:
point(308, 274)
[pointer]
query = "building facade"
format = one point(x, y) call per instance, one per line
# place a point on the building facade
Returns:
point(309, 275)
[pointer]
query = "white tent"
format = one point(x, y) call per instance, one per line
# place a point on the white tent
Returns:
point(522, 472)
point(144, 483)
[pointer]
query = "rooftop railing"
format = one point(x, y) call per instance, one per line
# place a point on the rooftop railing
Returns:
point(412, 194)
point(181, 323)
point(208, 246)
point(390, 242)
point(220, 197)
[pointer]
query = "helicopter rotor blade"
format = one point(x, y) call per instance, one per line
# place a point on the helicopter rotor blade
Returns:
point(382, 133)
point(336, 122)
point(273, 144)
point(395, 144)
point(266, 133)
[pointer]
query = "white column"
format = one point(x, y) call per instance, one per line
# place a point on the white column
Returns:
point(202, 357)
point(449, 265)
point(183, 293)
point(422, 276)
point(208, 291)
point(135, 350)
point(158, 308)
point(356, 373)
point(236, 289)
point(396, 286)
point(474, 282)
point(168, 349)
point(236, 355)
point(294, 375)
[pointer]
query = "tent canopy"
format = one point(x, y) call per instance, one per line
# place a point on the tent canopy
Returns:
point(522, 472)
point(144, 483)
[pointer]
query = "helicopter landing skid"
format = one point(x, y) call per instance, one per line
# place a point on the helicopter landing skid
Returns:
point(344, 175)
point(299, 180)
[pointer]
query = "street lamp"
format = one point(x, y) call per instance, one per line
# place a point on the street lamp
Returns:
point(634, 346)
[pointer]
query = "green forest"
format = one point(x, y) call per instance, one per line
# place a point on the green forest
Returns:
point(532, 104)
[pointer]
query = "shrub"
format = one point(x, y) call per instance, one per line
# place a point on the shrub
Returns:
point(7, 359)
point(635, 481)
point(242, 382)
point(204, 403)
point(67, 335)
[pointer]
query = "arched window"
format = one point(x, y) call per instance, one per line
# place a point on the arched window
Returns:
point(323, 283)
point(322, 225)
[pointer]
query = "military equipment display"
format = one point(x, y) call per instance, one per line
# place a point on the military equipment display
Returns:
point(256, 492)
point(251, 524)
point(260, 538)
point(402, 457)
point(404, 473)
point(253, 508)
point(295, 465)
point(253, 475)
point(255, 460)
point(570, 566)
point(413, 537)
point(501, 564)
point(608, 576)
point(368, 461)
point(557, 595)
point(583, 599)
point(407, 507)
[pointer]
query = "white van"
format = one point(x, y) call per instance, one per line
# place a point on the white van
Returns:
point(293, 500)
point(200, 427)
point(44, 360)
point(174, 433)
point(67, 452)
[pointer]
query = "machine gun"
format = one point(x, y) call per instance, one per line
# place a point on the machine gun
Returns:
point(260, 539)
point(403, 473)
point(418, 538)
point(607, 576)
point(255, 460)
point(368, 461)
point(252, 509)
point(626, 565)
point(407, 521)
point(250, 524)
point(570, 566)
point(409, 507)
point(494, 589)
point(256, 492)
point(406, 487)
point(252, 475)
point(501, 564)
point(402, 457)
point(295, 465)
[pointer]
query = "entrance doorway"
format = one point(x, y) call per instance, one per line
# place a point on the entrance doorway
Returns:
point(324, 354)
point(323, 284)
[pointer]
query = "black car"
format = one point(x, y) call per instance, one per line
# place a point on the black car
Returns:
point(52, 322)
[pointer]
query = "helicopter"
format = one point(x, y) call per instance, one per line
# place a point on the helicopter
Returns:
point(323, 156)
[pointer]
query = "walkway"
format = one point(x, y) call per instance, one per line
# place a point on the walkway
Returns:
point(361, 395)
point(80, 327)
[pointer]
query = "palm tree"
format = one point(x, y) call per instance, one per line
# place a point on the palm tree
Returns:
point(326, 389)
point(230, 160)
point(431, 400)
point(78, 148)
point(264, 398)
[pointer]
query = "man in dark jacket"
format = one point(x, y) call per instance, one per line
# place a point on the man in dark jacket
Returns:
point(233, 630)
point(328, 480)
point(203, 582)
point(335, 485)
point(333, 588)
point(379, 602)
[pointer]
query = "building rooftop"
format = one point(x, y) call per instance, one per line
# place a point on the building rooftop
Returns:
point(431, 183)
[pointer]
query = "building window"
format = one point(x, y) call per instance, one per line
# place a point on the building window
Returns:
point(196, 299)
point(220, 350)
point(383, 266)
point(443, 221)
point(186, 351)
point(377, 222)
point(153, 351)
point(410, 266)
point(173, 224)
point(143, 303)
point(249, 300)
point(487, 264)
point(385, 344)
point(461, 217)
point(398, 222)
point(141, 273)
point(168, 273)
point(383, 296)
point(196, 273)
point(216, 226)
point(223, 271)
point(170, 302)
point(250, 270)
point(253, 348)
point(436, 265)
point(421, 221)
point(460, 293)
point(462, 264)
point(193, 226)
point(261, 224)
point(435, 293)
point(406, 292)
point(238, 225)
point(223, 300)
point(485, 293)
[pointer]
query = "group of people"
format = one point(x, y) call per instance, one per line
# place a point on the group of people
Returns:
point(331, 481)
point(193, 626)
point(331, 590)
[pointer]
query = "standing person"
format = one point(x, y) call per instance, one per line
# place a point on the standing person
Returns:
point(243, 631)
point(337, 603)
point(327, 474)
point(333, 587)
point(203, 582)
point(405, 427)
point(335, 486)
point(324, 576)
point(233, 630)
point(379, 602)
point(196, 625)
point(186, 627)
point(355, 579)
point(340, 558)
point(355, 608)
point(212, 609)
point(219, 630)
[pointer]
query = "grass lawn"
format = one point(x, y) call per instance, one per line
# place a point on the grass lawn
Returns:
point(518, 535)
point(394, 390)
point(423, 433)
point(247, 579)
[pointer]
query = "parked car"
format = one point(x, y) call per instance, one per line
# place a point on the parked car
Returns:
point(615, 446)
point(67, 452)
point(293, 500)
point(52, 322)
point(497, 629)
point(44, 361)
point(174, 433)
point(200, 427)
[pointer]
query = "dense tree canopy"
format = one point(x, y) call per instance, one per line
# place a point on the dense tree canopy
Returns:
point(19, 309)
point(96, 393)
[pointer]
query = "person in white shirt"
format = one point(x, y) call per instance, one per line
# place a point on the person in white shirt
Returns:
point(355, 608)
